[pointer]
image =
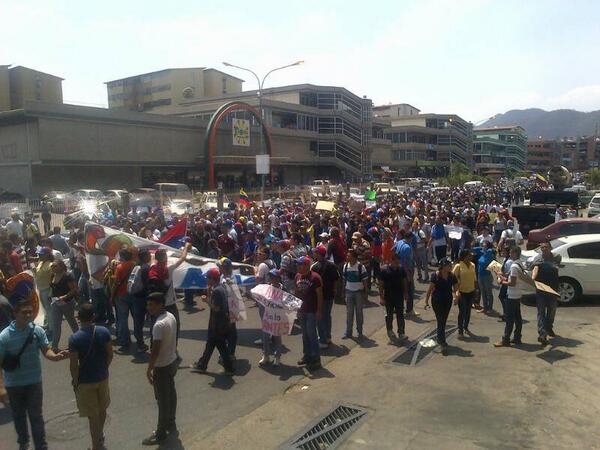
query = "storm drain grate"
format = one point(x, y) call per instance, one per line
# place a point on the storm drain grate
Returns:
point(421, 348)
point(329, 431)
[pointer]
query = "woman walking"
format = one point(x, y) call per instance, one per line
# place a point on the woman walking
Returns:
point(442, 285)
point(464, 271)
point(64, 295)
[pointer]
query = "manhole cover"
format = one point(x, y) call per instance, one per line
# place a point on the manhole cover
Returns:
point(328, 431)
point(421, 348)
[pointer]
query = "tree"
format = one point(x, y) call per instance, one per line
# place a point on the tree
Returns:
point(592, 177)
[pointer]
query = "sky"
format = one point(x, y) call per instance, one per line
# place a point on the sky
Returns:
point(474, 58)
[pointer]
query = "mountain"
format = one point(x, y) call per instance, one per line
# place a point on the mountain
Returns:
point(549, 124)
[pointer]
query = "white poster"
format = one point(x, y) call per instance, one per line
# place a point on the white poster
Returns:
point(240, 131)
point(263, 164)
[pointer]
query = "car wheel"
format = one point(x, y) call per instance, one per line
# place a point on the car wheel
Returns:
point(569, 290)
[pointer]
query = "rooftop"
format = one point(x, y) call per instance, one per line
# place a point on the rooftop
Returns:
point(32, 70)
point(171, 68)
point(500, 128)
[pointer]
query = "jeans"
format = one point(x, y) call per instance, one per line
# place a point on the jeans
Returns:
point(513, 319)
point(546, 310)
point(231, 339)
point(394, 307)
point(440, 252)
point(271, 344)
point(124, 305)
point(410, 300)
point(60, 309)
point(339, 286)
point(454, 249)
point(502, 298)
point(139, 318)
point(100, 303)
point(166, 397)
point(421, 261)
point(188, 297)
point(212, 341)
point(26, 401)
point(83, 285)
point(310, 340)
point(354, 302)
point(465, 300)
point(324, 324)
point(441, 308)
point(45, 295)
point(485, 287)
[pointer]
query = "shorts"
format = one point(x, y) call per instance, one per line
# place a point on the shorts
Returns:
point(92, 398)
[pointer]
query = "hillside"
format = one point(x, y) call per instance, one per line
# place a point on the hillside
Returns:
point(549, 124)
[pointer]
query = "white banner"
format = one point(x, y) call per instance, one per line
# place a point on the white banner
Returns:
point(263, 164)
point(240, 131)
point(280, 309)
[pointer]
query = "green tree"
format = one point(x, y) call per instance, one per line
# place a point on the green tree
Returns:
point(592, 177)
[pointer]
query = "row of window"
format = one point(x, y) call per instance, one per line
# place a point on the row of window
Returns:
point(155, 103)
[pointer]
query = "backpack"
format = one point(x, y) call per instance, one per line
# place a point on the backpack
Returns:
point(360, 271)
point(510, 240)
point(138, 280)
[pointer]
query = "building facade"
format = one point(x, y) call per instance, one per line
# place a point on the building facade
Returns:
point(163, 90)
point(19, 85)
point(576, 154)
point(542, 154)
point(499, 151)
point(416, 144)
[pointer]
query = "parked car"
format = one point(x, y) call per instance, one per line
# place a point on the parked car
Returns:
point(579, 267)
point(565, 227)
point(208, 200)
point(117, 196)
point(168, 192)
point(594, 206)
point(87, 194)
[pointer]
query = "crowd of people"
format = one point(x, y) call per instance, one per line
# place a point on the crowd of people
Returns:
point(320, 257)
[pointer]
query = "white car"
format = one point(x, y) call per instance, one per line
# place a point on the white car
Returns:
point(579, 271)
point(209, 200)
point(594, 206)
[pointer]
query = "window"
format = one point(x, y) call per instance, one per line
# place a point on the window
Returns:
point(585, 251)
point(594, 227)
point(569, 229)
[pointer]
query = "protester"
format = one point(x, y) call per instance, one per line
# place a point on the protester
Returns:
point(393, 289)
point(272, 344)
point(162, 368)
point(64, 296)
point(355, 276)
point(514, 292)
point(545, 270)
point(464, 271)
point(309, 289)
point(405, 251)
point(20, 346)
point(443, 287)
point(484, 256)
point(90, 353)
point(122, 300)
point(43, 277)
point(329, 274)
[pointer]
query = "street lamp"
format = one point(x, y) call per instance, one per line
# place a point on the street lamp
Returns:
point(259, 93)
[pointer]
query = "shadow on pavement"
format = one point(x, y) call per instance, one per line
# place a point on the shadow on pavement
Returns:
point(453, 350)
point(284, 371)
point(320, 373)
point(476, 338)
point(246, 336)
point(560, 341)
point(335, 350)
point(242, 367)
point(172, 443)
point(140, 358)
point(365, 342)
point(531, 348)
point(551, 356)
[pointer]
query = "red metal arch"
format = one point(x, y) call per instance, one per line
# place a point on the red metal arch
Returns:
point(211, 134)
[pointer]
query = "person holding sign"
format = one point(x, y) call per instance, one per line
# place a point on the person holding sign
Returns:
point(545, 271)
point(515, 286)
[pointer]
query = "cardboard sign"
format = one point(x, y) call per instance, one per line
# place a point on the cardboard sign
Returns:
point(323, 205)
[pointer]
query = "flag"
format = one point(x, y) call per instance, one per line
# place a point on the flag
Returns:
point(175, 237)
point(244, 200)
point(370, 194)
point(102, 245)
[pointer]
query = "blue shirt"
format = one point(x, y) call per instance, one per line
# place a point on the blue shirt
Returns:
point(94, 367)
point(30, 369)
point(483, 258)
point(405, 252)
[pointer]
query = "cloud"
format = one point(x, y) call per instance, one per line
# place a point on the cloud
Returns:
point(582, 98)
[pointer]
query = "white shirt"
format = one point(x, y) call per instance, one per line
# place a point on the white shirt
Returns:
point(165, 331)
point(481, 239)
point(515, 292)
point(15, 227)
point(512, 234)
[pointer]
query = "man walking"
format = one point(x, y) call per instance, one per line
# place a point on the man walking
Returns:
point(405, 253)
point(515, 285)
point(90, 353)
point(545, 271)
point(162, 368)
point(393, 290)
point(329, 276)
point(356, 287)
point(22, 370)
point(309, 289)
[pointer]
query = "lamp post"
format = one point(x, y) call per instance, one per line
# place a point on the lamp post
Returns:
point(259, 93)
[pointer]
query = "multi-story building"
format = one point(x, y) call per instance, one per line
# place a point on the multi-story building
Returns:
point(419, 144)
point(542, 154)
point(579, 153)
point(163, 90)
point(499, 151)
point(317, 131)
point(21, 84)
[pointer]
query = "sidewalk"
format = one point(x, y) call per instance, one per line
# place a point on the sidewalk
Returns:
point(476, 397)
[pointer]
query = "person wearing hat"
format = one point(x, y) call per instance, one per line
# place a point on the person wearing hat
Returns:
point(309, 289)
point(272, 345)
point(329, 276)
point(219, 324)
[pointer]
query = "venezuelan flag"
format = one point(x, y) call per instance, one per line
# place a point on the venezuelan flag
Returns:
point(244, 200)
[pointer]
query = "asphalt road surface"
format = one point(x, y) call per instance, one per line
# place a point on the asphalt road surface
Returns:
point(206, 402)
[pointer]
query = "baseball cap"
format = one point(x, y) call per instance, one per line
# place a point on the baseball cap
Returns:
point(303, 260)
point(321, 250)
point(213, 273)
point(356, 235)
point(45, 251)
point(284, 244)
point(444, 262)
point(225, 262)
point(275, 273)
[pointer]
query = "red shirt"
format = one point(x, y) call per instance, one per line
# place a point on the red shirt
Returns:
point(121, 276)
point(15, 261)
point(306, 290)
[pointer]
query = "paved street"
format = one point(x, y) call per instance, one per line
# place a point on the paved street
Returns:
point(205, 402)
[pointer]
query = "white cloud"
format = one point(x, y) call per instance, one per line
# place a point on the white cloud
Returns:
point(582, 98)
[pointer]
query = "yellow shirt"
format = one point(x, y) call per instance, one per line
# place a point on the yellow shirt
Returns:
point(43, 275)
point(466, 277)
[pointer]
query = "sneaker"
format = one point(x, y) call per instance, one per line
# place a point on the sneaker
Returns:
point(198, 367)
point(302, 362)
point(323, 345)
point(551, 333)
point(316, 365)
point(142, 347)
point(468, 332)
point(155, 439)
point(347, 336)
point(122, 350)
point(360, 336)
point(461, 333)
point(516, 341)
point(502, 343)
point(265, 360)
point(402, 336)
point(542, 340)
point(391, 335)
point(277, 361)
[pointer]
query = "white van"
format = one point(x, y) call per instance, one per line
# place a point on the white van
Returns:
point(473, 184)
point(169, 192)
